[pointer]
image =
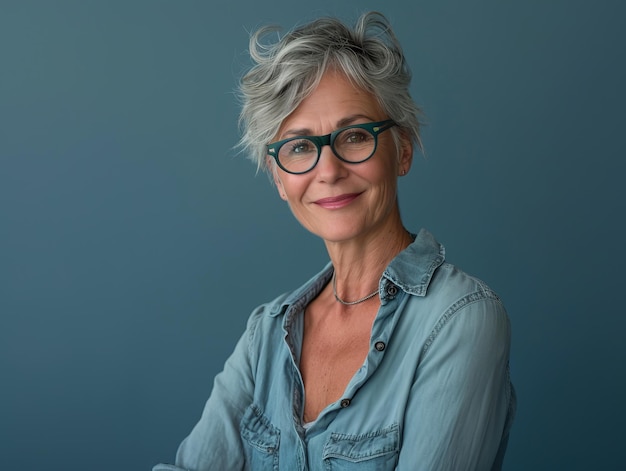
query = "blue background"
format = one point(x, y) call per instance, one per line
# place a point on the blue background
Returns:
point(134, 242)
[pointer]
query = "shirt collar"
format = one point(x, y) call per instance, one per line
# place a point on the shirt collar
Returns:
point(411, 270)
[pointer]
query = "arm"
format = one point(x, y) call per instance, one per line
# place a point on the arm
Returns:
point(460, 401)
point(215, 443)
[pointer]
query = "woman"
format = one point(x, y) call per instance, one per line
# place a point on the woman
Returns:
point(389, 358)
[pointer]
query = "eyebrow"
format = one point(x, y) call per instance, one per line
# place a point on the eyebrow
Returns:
point(343, 122)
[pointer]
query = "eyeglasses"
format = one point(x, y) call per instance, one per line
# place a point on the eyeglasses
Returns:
point(353, 144)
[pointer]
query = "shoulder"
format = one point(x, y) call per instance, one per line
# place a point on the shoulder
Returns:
point(267, 315)
point(444, 301)
point(450, 283)
point(466, 308)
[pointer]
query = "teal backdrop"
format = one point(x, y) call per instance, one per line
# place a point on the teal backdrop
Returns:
point(134, 241)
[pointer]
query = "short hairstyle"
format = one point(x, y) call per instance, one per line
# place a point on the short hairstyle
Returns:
point(288, 70)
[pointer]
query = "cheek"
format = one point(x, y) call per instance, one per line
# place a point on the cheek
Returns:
point(290, 187)
point(384, 172)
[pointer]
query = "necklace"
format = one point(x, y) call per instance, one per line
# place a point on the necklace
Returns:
point(350, 303)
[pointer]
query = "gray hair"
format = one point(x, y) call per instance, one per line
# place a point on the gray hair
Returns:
point(288, 70)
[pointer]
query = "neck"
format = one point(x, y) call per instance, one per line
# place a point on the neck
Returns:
point(359, 264)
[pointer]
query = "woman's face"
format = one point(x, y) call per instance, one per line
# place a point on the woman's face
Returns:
point(339, 201)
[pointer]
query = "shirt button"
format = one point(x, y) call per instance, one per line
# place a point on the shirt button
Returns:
point(380, 346)
point(392, 290)
point(345, 403)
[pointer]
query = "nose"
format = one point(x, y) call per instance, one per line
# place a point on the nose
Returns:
point(329, 168)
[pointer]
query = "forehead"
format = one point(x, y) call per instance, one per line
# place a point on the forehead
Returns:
point(336, 101)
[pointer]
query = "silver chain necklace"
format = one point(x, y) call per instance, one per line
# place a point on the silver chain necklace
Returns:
point(350, 303)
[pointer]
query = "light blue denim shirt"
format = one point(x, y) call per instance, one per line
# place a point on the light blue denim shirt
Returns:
point(433, 394)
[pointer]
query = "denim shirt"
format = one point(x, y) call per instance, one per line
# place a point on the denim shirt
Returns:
point(433, 393)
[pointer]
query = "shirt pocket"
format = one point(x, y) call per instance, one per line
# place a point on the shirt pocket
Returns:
point(260, 440)
point(374, 451)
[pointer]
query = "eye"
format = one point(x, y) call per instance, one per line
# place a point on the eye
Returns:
point(300, 146)
point(355, 136)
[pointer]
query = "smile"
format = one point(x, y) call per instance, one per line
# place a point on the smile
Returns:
point(337, 202)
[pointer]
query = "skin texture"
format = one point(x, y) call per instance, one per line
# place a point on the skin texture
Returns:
point(354, 209)
point(369, 189)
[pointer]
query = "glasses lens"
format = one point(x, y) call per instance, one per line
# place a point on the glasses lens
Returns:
point(354, 144)
point(298, 155)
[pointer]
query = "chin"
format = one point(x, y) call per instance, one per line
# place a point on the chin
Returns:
point(336, 234)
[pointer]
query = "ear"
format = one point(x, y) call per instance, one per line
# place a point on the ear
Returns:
point(279, 184)
point(405, 157)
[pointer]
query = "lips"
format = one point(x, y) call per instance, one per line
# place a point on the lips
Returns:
point(336, 202)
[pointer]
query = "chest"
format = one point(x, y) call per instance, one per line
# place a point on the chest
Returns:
point(333, 350)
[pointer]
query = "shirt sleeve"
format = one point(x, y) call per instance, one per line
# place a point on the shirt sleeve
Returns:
point(461, 399)
point(215, 442)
